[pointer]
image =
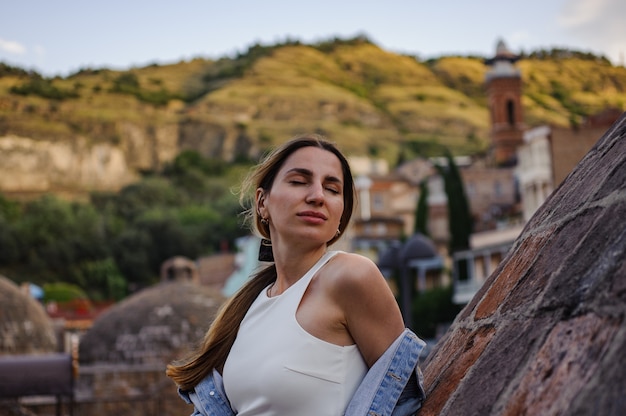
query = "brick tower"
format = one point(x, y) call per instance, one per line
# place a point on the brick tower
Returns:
point(504, 94)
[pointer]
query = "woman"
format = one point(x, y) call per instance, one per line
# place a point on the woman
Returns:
point(300, 337)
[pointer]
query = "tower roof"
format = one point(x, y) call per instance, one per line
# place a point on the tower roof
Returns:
point(503, 54)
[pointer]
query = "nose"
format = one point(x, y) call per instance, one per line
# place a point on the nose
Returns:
point(316, 194)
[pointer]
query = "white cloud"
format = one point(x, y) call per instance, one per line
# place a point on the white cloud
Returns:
point(599, 24)
point(578, 13)
point(12, 47)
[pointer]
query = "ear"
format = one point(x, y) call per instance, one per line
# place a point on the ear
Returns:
point(259, 197)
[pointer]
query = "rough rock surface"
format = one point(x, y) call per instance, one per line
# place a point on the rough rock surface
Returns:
point(546, 334)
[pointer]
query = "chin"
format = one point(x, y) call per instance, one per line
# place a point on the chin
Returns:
point(315, 238)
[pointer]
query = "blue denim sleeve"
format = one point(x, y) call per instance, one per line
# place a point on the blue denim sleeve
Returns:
point(208, 397)
point(393, 385)
point(412, 396)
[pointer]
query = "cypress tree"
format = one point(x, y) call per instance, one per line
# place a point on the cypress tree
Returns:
point(421, 210)
point(459, 217)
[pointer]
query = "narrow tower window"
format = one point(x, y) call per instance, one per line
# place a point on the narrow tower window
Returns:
point(510, 112)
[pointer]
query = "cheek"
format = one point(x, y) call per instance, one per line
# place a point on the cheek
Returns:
point(279, 199)
point(338, 208)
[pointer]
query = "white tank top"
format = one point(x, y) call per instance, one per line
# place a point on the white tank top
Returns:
point(276, 368)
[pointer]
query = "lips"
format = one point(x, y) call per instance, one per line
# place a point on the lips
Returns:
point(312, 214)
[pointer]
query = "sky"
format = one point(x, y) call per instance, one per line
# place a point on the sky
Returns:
point(61, 37)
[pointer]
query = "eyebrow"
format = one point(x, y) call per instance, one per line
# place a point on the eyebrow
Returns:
point(308, 173)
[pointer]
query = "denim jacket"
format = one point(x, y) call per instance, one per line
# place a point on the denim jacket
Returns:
point(391, 387)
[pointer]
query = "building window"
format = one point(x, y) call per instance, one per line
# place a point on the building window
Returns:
point(510, 112)
point(462, 269)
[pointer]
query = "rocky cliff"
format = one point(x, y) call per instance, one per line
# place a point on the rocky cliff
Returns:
point(78, 163)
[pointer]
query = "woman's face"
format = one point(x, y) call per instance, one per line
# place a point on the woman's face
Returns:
point(306, 200)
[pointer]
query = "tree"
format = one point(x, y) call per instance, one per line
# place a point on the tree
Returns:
point(432, 308)
point(118, 241)
point(9, 251)
point(421, 211)
point(54, 235)
point(147, 194)
point(9, 247)
point(459, 216)
point(105, 280)
point(133, 252)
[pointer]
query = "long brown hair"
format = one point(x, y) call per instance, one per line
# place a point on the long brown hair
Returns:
point(220, 337)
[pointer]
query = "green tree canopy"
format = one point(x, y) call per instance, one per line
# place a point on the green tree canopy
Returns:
point(459, 216)
point(421, 210)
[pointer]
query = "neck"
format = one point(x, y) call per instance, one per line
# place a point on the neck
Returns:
point(292, 264)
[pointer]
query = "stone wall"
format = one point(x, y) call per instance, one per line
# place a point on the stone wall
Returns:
point(546, 334)
point(105, 390)
point(121, 390)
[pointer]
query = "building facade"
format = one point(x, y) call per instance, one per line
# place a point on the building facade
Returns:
point(534, 170)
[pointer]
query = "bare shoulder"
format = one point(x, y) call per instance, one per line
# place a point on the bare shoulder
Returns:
point(354, 259)
point(354, 272)
point(370, 312)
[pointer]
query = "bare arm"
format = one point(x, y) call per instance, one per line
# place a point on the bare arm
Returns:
point(371, 313)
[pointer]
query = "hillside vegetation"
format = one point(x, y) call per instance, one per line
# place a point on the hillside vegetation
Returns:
point(191, 130)
point(368, 100)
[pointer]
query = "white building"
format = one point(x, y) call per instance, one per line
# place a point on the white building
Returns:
point(474, 266)
point(534, 170)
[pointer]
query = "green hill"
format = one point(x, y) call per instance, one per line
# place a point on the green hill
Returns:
point(365, 98)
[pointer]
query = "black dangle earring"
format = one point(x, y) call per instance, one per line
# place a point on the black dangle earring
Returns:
point(265, 251)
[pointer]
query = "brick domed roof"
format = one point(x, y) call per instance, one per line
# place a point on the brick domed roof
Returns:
point(25, 328)
point(153, 326)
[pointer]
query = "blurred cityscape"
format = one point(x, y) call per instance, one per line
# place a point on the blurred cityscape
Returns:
point(90, 358)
